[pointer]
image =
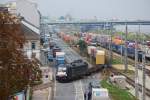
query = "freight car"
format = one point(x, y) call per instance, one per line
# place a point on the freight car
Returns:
point(120, 49)
point(130, 51)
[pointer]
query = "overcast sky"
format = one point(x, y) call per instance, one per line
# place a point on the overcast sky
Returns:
point(103, 9)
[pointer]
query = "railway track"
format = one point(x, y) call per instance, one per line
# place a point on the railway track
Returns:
point(130, 61)
point(130, 81)
point(139, 67)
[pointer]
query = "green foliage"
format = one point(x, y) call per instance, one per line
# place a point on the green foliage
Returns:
point(132, 36)
point(16, 71)
point(117, 93)
point(82, 45)
point(116, 61)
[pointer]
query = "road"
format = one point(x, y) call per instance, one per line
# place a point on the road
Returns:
point(75, 89)
point(70, 54)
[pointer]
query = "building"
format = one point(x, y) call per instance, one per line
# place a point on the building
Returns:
point(3, 8)
point(30, 23)
point(26, 9)
point(32, 37)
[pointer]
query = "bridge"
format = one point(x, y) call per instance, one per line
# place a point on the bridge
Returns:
point(102, 23)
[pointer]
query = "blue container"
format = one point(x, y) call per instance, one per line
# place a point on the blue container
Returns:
point(140, 54)
point(131, 52)
point(113, 47)
point(60, 60)
point(120, 49)
point(50, 57)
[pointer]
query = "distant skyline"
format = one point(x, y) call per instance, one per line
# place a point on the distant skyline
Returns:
point(102, 9)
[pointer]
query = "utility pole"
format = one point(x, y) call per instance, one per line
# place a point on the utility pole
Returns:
point(108, 30)
point(126, 63)
point(136, 69)
point(111, 54)
point(143, 67)
point(121, 48)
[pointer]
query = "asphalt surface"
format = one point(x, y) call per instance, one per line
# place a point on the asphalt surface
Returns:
point(75, 89)
point(70, 55)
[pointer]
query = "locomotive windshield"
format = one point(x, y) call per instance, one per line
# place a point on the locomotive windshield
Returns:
point(62, 69)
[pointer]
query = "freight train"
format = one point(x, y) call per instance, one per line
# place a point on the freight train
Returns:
point(117, 46)
point(79, 68)
point(120, 49)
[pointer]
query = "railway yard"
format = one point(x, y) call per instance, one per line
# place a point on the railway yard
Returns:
point(74, 50)
point(74, 90)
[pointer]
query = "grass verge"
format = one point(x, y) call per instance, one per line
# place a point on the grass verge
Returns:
point(116, 61)
point(117, 93)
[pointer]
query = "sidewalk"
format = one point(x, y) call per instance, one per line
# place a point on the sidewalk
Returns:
point(43, 92)
point(132, 89)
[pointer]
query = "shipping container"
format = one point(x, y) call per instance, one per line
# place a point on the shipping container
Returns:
point(100, 57)
point(93, 52)
point(60, 58)
point(100, 94)
point(90, 48)
point(118, 41)
point(55, 49)
point(60, 54)
point(60, 61)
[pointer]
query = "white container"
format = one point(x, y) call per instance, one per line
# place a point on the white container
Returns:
point(90, 48)
point(100, 94)
point(60, 54)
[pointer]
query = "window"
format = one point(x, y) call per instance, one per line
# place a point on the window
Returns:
point(33, 45)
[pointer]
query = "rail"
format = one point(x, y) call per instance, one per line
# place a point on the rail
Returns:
point(130, 81)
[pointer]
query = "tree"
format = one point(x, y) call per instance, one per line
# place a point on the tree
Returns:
point(16, 71)
point(82, 45)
